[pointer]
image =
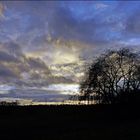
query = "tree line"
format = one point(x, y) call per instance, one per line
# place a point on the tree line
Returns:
point(114, 77)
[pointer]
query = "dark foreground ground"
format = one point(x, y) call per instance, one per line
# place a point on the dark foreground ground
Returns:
point(70, 122)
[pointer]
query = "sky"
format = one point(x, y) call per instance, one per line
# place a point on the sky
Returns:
point(64, 31)
point(48, 42)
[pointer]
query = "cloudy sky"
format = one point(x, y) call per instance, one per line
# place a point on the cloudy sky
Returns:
point(47, 42)
point(64, 32)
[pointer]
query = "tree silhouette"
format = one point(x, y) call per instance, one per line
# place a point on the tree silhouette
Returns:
point(114, 77)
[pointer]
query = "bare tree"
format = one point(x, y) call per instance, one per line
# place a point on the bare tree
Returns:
point(114, 77)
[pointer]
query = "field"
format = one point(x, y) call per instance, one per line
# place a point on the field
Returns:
point(70, 122)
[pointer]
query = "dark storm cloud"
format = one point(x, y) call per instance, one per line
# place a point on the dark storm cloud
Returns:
point(5, 72)
point(36, 63)
point(12, 48)
point(4, 57)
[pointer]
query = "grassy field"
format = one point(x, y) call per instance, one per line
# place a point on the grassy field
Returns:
point(70, 122)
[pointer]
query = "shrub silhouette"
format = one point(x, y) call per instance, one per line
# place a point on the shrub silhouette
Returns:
point(4, 103)
point(114, 77)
